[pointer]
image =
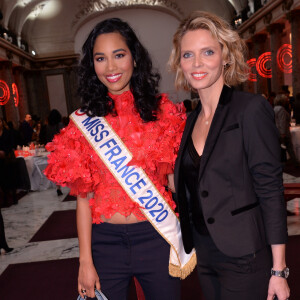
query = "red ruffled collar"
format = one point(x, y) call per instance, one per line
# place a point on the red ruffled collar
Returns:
point(123, 102)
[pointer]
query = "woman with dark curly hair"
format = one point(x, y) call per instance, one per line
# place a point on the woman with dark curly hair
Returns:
point(116, 155)
point(143, 81)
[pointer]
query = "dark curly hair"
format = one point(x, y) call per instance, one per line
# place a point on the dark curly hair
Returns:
point(143, 83)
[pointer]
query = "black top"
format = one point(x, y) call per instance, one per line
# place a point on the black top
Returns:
point(190, 166)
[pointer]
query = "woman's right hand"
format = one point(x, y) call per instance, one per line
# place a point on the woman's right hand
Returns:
point(88, 280)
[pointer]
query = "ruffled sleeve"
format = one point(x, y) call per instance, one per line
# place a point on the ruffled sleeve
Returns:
point(172, 119)
point(161, 141)
point(71, 162)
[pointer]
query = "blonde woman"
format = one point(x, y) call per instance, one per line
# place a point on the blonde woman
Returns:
point(228, 176)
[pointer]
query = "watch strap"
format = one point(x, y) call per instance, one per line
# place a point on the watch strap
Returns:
point(283, 273)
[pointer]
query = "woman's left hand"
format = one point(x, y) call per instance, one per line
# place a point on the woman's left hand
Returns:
point(171, 184)
point(278, 286)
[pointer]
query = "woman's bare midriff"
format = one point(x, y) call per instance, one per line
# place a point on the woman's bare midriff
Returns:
point(117, 218)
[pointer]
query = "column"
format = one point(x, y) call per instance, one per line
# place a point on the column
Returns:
point(294, 18)
point(259, 47)
point(23, 106)
point(38, 101)
point(277, 80)
point(11, 112)
point(250, 84)
point(71, 86)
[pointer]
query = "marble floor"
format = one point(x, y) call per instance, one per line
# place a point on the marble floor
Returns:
point(22, 221)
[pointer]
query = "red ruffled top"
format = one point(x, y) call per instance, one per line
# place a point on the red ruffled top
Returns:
point(154, 146)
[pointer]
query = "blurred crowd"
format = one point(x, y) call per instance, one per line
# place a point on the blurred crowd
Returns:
point(31, 130)
point(287, 114)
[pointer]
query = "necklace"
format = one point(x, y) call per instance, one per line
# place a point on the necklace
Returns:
point(206, 122)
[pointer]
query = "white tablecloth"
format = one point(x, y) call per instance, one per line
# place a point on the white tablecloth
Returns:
point(35, 167)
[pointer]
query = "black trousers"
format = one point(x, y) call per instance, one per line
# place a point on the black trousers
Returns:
point(231, 278)
point(123, 251)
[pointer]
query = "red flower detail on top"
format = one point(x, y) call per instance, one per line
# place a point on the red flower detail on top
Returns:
point(154, 146)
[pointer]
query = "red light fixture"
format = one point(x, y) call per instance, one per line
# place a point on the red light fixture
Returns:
point(252, 64)
point(262, 65)
point(15, 94)
point(284, 58)
point(4, 92)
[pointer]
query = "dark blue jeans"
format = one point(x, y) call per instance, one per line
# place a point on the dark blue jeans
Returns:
point(231, 278)
point(123, 251)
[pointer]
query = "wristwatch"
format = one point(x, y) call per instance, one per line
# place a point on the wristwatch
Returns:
point(284, 273)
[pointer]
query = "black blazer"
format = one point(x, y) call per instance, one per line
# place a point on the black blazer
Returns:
point(240, 178)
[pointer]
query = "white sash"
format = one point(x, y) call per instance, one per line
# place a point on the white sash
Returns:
point(138, 186)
